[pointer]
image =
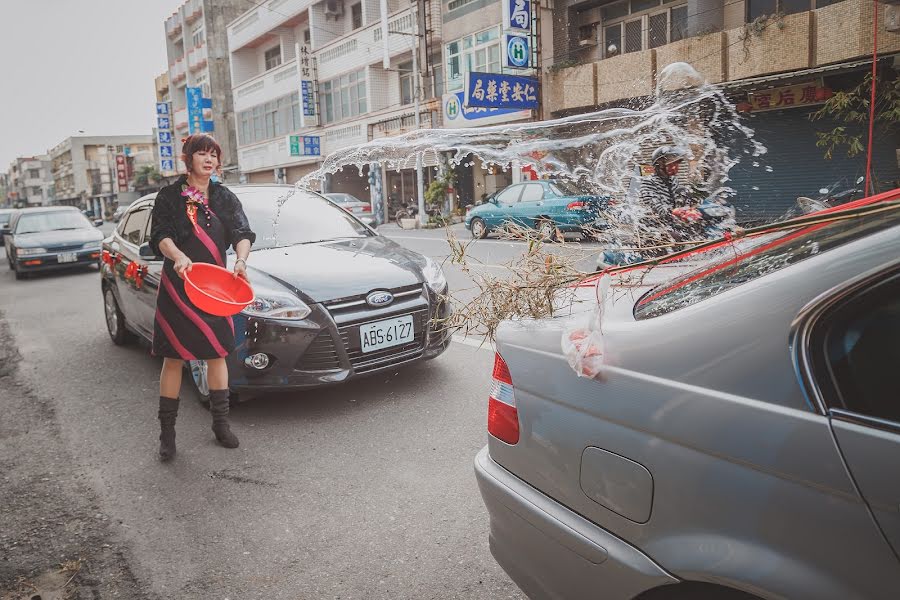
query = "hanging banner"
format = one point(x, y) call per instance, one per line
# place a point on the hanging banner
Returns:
point(494, 90)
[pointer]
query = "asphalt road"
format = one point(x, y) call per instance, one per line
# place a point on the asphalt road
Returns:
point(360, 491)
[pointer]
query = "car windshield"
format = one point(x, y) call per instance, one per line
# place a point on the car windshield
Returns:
point(52, 221)
point(304, 218)
point(756, 257)
point(4, 215)
point(342, 198)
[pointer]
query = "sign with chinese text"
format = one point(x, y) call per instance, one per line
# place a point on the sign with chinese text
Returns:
point(166, 146)
point(305, 145)
point(194, 109)
point(165, 137)
point(162, 108)
point(518, 51)
point(308, 98)
point(493, 90)
point(307, 71)
point(457, 115)
point(517, 14)
point(804, 94)
point(122, 172)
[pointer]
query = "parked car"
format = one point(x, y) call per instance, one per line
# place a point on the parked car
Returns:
point(5, 214)
point(742, 439)
point(361, 210)
point(552, 207)
point(334, 300)
point(50, 238)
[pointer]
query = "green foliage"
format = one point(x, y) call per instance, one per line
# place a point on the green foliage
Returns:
point(146, 176)
point(852, 107)
point(437, 189)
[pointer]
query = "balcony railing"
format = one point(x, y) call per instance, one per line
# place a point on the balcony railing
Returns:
point(193, 10)
point(267, 86)
point(181, 119)
point(197, 58)
point(173, 26)
point(177, 71)
point(263, 19)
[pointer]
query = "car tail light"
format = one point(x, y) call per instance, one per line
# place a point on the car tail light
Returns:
point(503, 418)
point(367, 208)
point(577, 205)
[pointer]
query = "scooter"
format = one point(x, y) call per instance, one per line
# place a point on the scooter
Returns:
point(827, 199)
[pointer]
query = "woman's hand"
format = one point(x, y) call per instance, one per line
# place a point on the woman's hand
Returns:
point(240, 268)
point(183, 265)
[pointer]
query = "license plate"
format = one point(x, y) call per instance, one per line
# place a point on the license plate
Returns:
point(386, 334)
point(66, 257)
point(357, 209)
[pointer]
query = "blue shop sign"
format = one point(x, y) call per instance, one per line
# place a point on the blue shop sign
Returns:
point(517, 14)
point(165, 137)
point(162, 108)
point(167, 165)
point(194, 109)
point(166, 151)
point(494, 90)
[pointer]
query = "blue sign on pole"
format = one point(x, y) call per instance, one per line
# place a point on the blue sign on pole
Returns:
point(518, 51)
point(167, 164)
point(162, 108)
point(493, 90)
point(166, 151)
point(517, 14)
point(194, 109)
point(163, 123)
point(165, 137)
point(312, 145)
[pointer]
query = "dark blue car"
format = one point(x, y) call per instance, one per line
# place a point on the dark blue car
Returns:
point(550, 206)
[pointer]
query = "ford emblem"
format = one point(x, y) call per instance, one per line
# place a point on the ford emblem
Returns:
point(379, 298)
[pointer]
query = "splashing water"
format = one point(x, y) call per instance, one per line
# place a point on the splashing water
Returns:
point(603, 150)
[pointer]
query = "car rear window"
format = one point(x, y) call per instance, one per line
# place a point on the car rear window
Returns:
point(758, 257)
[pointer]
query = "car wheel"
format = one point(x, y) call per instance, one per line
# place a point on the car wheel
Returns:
point(115, 320)
point(547, 230)
point(20, 275)
point(479, 229)
point(198, 370)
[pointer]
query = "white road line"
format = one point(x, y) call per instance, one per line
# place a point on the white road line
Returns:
point(475, 343)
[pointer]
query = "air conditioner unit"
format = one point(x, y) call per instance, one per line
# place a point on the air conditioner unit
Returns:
point(334, 8)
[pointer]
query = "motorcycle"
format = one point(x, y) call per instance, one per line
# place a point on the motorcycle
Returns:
point(827, 199)
point(410, 210)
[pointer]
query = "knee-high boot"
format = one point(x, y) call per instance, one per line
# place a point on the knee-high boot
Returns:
point(168, 412)
point(218, 406)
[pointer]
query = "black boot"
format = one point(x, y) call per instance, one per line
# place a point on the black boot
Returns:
point(168, 411)
point(218, 406)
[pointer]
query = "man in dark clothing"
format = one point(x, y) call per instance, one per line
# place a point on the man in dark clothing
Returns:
point(671, 212)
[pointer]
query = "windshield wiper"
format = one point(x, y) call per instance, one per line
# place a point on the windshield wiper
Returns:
point(65, 228)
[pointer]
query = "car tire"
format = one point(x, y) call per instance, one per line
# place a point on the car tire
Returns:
point(547, 230)
point(479, 229)
point(197, 371)
point(20, 275)
point(115, 320)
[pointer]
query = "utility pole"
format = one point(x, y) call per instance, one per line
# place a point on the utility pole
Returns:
point(420, 181)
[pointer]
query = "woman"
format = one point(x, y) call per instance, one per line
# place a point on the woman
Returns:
point(195, 220)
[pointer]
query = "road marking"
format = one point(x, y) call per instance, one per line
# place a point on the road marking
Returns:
point(478, 344)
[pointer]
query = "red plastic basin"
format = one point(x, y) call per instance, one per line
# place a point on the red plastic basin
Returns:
point(216, 290)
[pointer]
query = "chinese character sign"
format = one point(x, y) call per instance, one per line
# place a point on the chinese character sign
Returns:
point(164, 136)
point(162, 108)
point(493, 90)
point(804, 94)
point(517, 14)
point(307, 98)
point(195, 109)
point(305, 145)
point(122, 173)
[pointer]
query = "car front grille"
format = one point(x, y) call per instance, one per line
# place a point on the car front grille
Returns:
point(340, 306)
point(322, 354)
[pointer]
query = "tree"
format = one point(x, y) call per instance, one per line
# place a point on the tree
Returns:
point(851, 108)
point(146, 176)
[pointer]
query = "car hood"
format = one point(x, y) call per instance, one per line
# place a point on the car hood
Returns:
point(325, 271)
point(50, 239)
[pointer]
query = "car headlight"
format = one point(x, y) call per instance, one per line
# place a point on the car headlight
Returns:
point(30, 251)
point(91, 246)
point(276, 304)
point(434, 276)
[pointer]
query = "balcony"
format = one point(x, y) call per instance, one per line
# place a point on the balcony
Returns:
point(173, 26)
point(177, 72)
point(261, 20)
point(197, 58)
point(273, 84)
point(782, 44)
point(193, 10)
point(406, 122)
point(181, 119)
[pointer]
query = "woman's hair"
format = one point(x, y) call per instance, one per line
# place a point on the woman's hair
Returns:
point(199, 142)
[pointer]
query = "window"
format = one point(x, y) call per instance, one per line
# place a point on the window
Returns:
point(307, 38)
point(273, 57)
point(34, 173)
point(856, 350)
point(756, 258)
point(133, 230)
point(641, 25)
point(270, 120)
point(36, 191)
point(197, 35)
point(762, 8)
point(533, 192)
point(344, 97)
point(510, 195)
point(479, 52)
point(406, 83)
point(356, 15)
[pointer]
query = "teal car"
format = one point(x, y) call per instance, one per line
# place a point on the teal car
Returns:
point(552, 207)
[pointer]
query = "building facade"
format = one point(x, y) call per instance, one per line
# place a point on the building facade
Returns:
point(95, 173)
point(197, 52)
point(30, 182)
point(778, 60)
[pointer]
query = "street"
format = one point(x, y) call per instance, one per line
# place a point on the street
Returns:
point(360, 491)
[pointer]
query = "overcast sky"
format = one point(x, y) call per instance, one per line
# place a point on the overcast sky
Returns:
point(69, 65)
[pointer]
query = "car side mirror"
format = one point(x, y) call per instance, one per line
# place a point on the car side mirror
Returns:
point(145, 251)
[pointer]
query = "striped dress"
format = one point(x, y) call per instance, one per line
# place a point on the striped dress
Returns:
point(181, 330)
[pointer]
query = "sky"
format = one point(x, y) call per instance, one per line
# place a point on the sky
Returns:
point(70, 65)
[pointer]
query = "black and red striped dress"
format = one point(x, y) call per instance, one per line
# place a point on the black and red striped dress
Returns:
point(181, 330)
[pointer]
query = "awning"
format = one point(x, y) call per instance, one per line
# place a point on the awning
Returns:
point(781, 78)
